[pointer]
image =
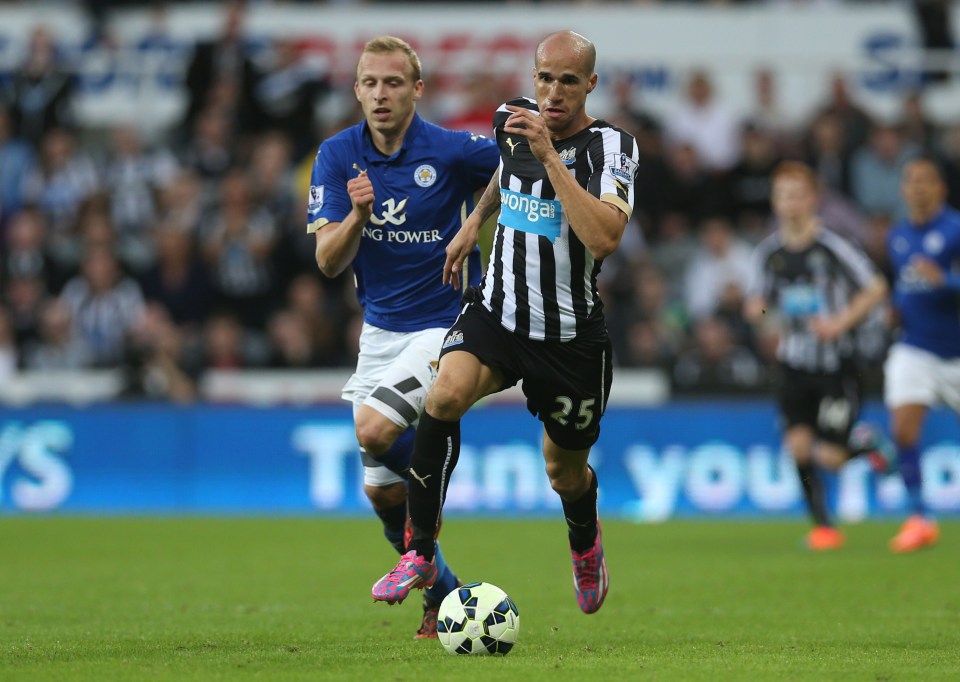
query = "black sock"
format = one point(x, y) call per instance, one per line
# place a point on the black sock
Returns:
point(435, 454)
point(394, 519)
point(581, 516)
point(814, 493)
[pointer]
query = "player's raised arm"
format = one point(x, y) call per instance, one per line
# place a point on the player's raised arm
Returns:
point(598, 224)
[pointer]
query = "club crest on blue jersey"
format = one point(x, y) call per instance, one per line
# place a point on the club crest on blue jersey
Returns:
point(623, 169)
point(425, 175)
point(530, 214)
point(933, 242)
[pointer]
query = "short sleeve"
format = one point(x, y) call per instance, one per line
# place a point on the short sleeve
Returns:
point(328, 201)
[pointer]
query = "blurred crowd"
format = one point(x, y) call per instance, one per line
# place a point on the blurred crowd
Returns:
point(169, 255)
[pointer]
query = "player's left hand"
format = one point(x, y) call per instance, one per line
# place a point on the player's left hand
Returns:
point(828, 328)
point(927, 269)
point(527, 124)
point(461, 246)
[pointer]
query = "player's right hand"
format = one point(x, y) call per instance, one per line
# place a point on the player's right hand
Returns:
point(461, 246)
point(362, 197)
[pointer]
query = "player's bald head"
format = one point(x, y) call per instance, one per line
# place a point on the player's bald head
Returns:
point(579, 46)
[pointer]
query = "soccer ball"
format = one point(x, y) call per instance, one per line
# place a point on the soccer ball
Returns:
point(478, 618)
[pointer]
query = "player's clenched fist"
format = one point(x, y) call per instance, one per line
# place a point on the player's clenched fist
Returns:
point(361, 194)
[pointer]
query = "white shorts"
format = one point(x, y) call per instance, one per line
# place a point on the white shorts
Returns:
point(913, 376)
point(394, 372)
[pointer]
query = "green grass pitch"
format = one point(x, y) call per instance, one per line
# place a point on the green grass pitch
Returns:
point(288, 599)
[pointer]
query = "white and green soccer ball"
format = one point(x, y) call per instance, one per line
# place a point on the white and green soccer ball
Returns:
point(478, 618)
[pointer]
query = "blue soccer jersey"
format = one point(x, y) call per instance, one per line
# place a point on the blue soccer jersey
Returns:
point(423, 193)
point(930, 317)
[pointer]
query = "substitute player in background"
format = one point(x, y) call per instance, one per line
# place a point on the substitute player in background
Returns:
point(923, 367)
point(386, 197)
point(565, 190)
point(821, 287)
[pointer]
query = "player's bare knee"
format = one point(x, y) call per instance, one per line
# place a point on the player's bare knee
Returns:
point(384, 497)
point(567, 482)
point(375, 437)
point(447, 401)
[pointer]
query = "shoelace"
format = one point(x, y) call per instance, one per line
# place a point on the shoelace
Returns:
point(588, 563)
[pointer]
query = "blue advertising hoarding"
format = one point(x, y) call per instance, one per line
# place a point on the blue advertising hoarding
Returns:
point(680, 460)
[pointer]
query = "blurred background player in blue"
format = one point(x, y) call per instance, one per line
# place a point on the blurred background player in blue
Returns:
point(923, 366)
point(387, 196)
point(819, 287)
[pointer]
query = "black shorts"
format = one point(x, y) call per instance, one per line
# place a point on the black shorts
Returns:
point(566, 383)
point(829, 402)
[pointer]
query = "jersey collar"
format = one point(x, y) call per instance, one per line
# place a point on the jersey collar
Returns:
point(373, 155)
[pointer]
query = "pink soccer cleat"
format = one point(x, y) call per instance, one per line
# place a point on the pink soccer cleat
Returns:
point(590, 576)
point(412, 572)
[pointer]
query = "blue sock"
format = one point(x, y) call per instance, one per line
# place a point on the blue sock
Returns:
point(397, 458)
point(910, 473)
point(446, 580)
point(394, 519)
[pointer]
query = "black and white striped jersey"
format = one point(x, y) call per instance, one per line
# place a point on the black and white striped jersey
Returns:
point(541, 281)
point(818, 280)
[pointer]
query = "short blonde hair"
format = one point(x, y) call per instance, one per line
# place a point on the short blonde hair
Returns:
point(389, 45)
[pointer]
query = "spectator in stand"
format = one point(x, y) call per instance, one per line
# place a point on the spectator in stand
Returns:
point(225, 346)
point(40, 92)
point(722, 261)
point(60, 184)
point(287, 94)
point(210, 152)
point(715, 361)
point(134, 178)
point(24, 255)
point(272, 185)
point(308, 298)
point(673, 251)
point(689, 187)
point(875, 171)
point(56, 346)
point(749, 181)
point(221, 73)
point(237, 244)
point(104, 306)
point(271, 181)
point(16, 162)
point(855, 121)
point(766, 114)
point(178, 280)
point(828, 153)
point(918, 129)
point(163, 56)
point(647, 329)
point(182, 203)
point(706, 124)
point(24, 297)
point(153, 368)
point(291, 342)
